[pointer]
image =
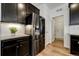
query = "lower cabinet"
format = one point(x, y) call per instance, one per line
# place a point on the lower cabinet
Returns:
point(23, 48)
point(74, 45)
point(15, 47)
point(9, 51)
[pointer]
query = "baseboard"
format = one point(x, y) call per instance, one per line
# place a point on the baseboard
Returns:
point(47, 44)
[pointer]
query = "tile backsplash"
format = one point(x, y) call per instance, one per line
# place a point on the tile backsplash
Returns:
point(4, 27)
point(74, 29)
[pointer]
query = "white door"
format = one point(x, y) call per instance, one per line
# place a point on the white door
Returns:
point(59, 27)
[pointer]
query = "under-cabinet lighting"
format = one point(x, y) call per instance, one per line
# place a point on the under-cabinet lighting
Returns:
point(14, 25)
point(74, 5)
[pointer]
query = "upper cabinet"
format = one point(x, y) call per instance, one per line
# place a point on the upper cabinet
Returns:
point(74, 13)
point(17, 12)
point(8, 12)
point(21, 13)
point(32, 8)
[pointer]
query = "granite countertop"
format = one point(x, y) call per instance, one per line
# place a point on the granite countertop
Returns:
point(10, 36)
point(74, 34)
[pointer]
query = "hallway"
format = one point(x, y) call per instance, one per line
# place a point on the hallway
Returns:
point(55, 49)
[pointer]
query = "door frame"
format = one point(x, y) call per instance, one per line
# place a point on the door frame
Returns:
point(53, 22)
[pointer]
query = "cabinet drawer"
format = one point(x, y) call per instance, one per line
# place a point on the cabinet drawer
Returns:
point(75, 45)
point(7, 43)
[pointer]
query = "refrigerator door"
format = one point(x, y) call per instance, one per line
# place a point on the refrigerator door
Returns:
point(35, 34)
point(42, 34)
point(35, 23)
point(42, 27)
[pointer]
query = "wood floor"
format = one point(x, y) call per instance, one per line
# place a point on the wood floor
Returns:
point(55, 49)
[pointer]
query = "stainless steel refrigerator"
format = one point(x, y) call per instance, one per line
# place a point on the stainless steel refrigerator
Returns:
point(37, 33)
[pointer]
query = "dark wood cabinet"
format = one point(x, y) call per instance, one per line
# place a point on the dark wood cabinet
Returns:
point(74, 45)
point(8, 48)
point(9, 12)
point(17, 12)
point(74, 13)
point(9, 51)
point(24, 47)
point(15, 47)
point(32, 8)
point(22, 13)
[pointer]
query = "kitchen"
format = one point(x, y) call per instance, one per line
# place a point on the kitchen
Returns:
point(21, 30)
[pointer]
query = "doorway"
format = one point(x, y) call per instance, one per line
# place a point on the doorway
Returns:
point(59, 29)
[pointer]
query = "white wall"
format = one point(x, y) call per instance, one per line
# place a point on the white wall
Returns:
point(65, 12)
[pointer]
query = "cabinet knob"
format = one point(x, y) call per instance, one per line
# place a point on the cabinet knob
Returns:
point(20, 45)
point(17, 46)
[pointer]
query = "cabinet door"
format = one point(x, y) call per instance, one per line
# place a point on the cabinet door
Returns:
point(21, 13)
point(8, 47)
point(37, 10)
point(9, 50)
point(74, 48)
point(9, 12)
point(29, 11)
point(74, 14)
point(24, 48)
point(32, 9)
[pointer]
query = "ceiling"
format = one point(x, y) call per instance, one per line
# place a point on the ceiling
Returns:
point(53, 5)
point(50, 5)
